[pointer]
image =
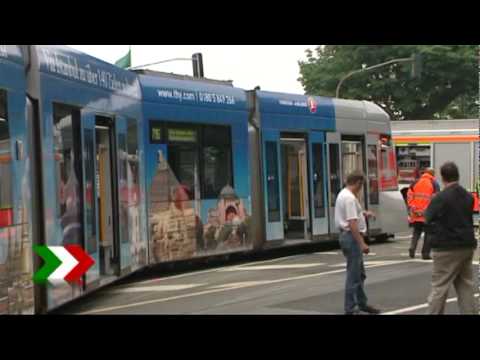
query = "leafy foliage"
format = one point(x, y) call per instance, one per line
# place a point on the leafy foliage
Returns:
point(447, 88)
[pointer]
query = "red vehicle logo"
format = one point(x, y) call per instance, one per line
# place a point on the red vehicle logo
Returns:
point(312, 105)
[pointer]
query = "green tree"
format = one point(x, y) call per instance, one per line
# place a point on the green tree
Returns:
point(447, 88)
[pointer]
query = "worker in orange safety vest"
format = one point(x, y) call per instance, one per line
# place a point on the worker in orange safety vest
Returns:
point(419, 196)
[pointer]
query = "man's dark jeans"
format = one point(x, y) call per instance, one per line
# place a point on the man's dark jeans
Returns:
point(418, 228)
point(354, 286)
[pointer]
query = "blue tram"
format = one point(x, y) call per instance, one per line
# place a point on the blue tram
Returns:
point(141, 168)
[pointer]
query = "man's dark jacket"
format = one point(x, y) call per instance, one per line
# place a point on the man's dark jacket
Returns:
point(449, 219)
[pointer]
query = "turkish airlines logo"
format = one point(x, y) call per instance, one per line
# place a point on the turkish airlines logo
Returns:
point(312, 105)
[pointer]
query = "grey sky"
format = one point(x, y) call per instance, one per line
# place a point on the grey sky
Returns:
point(273, 67)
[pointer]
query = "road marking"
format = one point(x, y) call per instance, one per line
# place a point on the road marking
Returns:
point(213, 270)
point(416, 260)
point(430, 261)
point(217, 290)
point(273, 267)
point(134, 289)
point(176, 276)
point(417, 307)
point(369, 264)
point(239, 285)
point(336, 253)
point(403, 237)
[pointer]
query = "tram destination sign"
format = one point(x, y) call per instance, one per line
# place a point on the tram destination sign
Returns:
point(182, 135)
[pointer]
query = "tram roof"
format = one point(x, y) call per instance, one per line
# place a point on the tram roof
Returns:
point(192, 92)
point(85, 70)
point(359, 110)
point(163, 74)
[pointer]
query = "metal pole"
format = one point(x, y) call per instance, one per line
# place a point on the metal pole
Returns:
point(159, 62)
point(369, 68)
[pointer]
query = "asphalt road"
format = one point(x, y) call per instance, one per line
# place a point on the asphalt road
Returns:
point(310, 283)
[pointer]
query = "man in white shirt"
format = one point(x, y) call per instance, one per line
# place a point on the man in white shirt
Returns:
point(350, 221)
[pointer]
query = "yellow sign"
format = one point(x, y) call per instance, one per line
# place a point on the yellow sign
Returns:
point(183, 135)
point(156, 134)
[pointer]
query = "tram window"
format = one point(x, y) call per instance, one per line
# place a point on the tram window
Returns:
point(182, 156)
point(272, 181)
point(6, 206)
point(216, 155)
point(68, 170)
point(385, 159)
point(335, 185)
point(183, 163)
point(200, 157)
point(318, 182)
point(373, 174)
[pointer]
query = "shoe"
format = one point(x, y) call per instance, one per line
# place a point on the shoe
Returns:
point(351, 313)
point(411, 253)
point(426, 257)
point(370, 310)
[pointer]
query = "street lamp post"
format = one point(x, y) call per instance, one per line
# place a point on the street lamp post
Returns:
point(415, 59)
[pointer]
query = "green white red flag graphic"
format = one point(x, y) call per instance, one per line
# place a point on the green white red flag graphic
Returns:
point(63, 264)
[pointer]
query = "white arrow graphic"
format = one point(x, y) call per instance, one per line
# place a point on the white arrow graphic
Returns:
point(68, 263)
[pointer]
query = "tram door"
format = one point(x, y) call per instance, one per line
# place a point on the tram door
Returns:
point(90, 218)
point(105, 189)
point(318, 186)
point(373, 180)
point(296, 220)
point(272, 185)
point(334, 184)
